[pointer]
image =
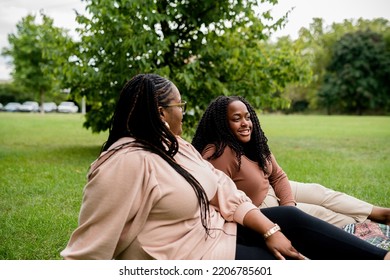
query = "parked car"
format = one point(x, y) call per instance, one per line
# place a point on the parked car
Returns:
point(49, 107)
point(1, 107)
point(12, 106)
point(29, 106)
point(67, 107)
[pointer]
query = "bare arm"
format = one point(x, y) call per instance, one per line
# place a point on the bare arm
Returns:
point(277, 243)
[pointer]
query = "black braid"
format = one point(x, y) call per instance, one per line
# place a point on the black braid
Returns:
point(137, 115)
point(213, 128)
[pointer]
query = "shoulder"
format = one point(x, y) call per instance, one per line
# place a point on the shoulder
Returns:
point(273, 159)
point(125, 160)
point(187, 146)
point(208, 151)
point(211, 149)
point(226, 161)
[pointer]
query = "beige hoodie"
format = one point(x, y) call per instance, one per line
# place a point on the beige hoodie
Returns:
point(136, 206)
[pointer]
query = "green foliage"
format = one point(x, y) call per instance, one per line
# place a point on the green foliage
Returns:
point(207, 48)
point(38, 54)
point(9, 92)
point(317, 42)
point(358, 75)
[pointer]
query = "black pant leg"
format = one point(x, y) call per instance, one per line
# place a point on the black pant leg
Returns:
point(320, 240)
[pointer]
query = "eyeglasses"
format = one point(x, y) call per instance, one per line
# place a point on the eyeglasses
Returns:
point(182, 105)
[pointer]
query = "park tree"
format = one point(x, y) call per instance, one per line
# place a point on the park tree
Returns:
point(259, 70)
point(357, 78)
point(316, 43)
point(207, 48)
point(38, 52)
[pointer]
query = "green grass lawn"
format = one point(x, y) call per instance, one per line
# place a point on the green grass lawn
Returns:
point(44, 160)
point(346, 153)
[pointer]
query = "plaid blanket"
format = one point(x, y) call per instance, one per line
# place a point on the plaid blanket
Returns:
point(376, 234)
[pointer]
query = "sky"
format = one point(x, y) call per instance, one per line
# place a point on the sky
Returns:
point(63, 14)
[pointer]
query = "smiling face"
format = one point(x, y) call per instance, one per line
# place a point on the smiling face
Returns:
point(239, 120)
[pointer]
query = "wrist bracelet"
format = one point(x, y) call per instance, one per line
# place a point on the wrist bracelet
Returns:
point(271, 231)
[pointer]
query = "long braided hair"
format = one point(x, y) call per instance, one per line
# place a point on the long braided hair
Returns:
point(137, 115)
point(213, 128)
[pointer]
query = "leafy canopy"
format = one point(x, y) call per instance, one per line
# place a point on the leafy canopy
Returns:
point(317, 43)
point(207, 48)
point(358, 75)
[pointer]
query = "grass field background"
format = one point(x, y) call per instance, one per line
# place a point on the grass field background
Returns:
point(44, 160)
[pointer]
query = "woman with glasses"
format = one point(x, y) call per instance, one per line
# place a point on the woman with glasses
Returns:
point(150, 195)
point(182, 105)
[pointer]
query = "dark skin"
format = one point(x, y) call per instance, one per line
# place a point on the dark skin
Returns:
point(277, 243)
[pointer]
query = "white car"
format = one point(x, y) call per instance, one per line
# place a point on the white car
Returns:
point(29, 106)
point(67, 107)
point(12, 107)
point(49, 107)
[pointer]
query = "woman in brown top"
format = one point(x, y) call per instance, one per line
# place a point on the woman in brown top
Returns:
point(229, 135)
point(150, 195)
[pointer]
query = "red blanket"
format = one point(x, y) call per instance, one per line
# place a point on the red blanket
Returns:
point(376, 234)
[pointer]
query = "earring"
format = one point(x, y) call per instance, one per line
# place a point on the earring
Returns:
point(167, 125)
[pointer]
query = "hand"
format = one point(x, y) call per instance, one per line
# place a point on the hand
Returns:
point(281, 247)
